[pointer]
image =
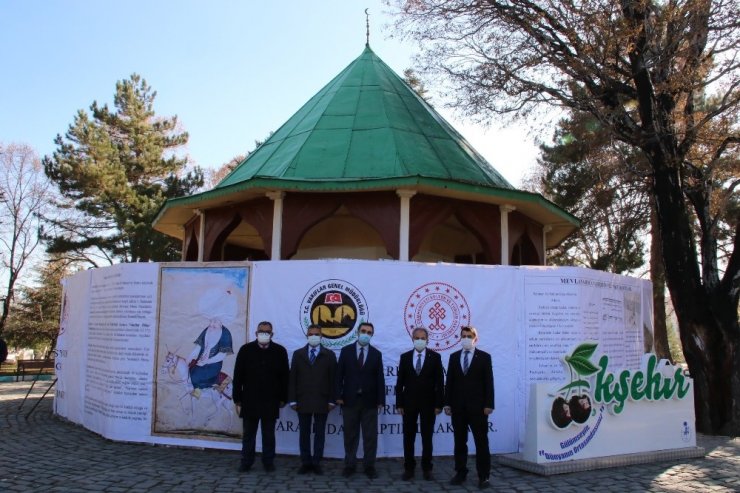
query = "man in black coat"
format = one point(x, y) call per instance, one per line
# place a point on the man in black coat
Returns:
point(361, 392)
point(260, 390)
point(419, 396)
point(311, 395)
point(469, 400)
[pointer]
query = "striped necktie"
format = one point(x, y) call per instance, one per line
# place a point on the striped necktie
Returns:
point(312, 357)
point(466, 362)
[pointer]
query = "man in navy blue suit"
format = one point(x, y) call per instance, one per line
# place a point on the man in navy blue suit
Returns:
point(469, 400)
point(361, 392)
point(419, 397)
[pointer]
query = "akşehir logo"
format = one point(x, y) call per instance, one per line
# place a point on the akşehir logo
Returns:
point(338, 307)
point(441, 309)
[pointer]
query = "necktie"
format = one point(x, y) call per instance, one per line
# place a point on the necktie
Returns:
point(312, 357)
point(418, 364)
point(466, 362)
point(361, 359)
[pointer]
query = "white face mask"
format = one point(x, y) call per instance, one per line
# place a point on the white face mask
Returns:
point(263, 338)
point(420, 344)
point(314, 341)
point(468, 344)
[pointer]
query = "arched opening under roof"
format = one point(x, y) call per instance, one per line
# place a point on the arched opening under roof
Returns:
point(451, 241)
point(341, 235)
point(239, 240)
point(524, 252)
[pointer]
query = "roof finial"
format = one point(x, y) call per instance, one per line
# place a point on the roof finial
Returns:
point(367, 25)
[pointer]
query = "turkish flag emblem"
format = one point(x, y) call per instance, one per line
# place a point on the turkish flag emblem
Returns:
point(333, 299)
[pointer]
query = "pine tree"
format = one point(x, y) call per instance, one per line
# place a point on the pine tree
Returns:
point(34, 321)
point(116, 168)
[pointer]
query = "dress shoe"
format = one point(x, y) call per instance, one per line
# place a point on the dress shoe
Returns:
point(407, 475)
point(304, 469)
point(458, 479)
point(317, 470)
point(269, 467)
point(244, 468)
point(484, 484)
point(371, 473)
point(348, 471)
point(428, 476)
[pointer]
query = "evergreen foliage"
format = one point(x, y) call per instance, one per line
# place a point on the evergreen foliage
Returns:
point(34, 321)
point(116, 167)
point(603, 183)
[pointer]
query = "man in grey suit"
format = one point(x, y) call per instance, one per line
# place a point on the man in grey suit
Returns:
point(311, 395)
point(361, 392)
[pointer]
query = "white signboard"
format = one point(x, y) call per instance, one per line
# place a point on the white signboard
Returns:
point(71, 349)
point(125, 325)
point(599, 413)
point(395, 297)
point(119, 343)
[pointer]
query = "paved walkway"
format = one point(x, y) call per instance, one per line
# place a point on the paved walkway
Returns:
point(47, 454)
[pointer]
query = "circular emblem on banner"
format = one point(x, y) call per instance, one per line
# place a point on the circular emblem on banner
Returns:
point(338, 307)
point(441, 309)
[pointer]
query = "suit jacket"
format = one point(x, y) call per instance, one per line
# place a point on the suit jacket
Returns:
point(471, 392)
point(422, 391)
point(312, 386)
point(261, 379)
point(351, 379)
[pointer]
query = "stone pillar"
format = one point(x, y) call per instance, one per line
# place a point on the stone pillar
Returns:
point(545, 229)
point(403, 237)
point(277, 223)
point(505, 209)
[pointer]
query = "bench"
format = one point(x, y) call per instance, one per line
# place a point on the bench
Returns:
point(33, 366)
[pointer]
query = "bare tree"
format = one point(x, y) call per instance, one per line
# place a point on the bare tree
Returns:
point(664, 78)
point(24, 194)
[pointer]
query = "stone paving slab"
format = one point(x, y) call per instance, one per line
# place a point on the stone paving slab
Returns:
point(47, 454)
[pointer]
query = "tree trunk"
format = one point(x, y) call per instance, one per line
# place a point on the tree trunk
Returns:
point(708, 322)
point(657, 275)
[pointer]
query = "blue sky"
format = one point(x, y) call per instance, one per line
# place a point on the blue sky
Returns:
point(232, 71)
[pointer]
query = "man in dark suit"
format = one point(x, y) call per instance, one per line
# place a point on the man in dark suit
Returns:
point(260, 390)
point(311, 394)
point(419, 396)
point(361, 392)
point(469, 400)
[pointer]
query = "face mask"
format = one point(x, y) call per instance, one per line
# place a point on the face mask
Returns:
point(314, 341)
point(263, 338)
point(364, 339)
point(420, 344)
point(468, 344)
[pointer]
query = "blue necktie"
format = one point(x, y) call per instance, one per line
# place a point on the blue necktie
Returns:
point(466, 362)
point(312, 357)
point(418, 364)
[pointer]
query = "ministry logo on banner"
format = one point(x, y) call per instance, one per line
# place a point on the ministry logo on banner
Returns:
point(441, 309)
point(338, 307)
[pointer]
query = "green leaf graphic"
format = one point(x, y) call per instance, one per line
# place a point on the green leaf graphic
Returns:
point(582, 366)
point(577, 383)
point(584, 351)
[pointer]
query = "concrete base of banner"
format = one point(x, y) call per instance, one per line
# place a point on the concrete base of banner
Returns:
point(516, 461)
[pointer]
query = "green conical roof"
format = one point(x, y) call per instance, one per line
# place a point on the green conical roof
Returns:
point(366, 130)
point(367, 123)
